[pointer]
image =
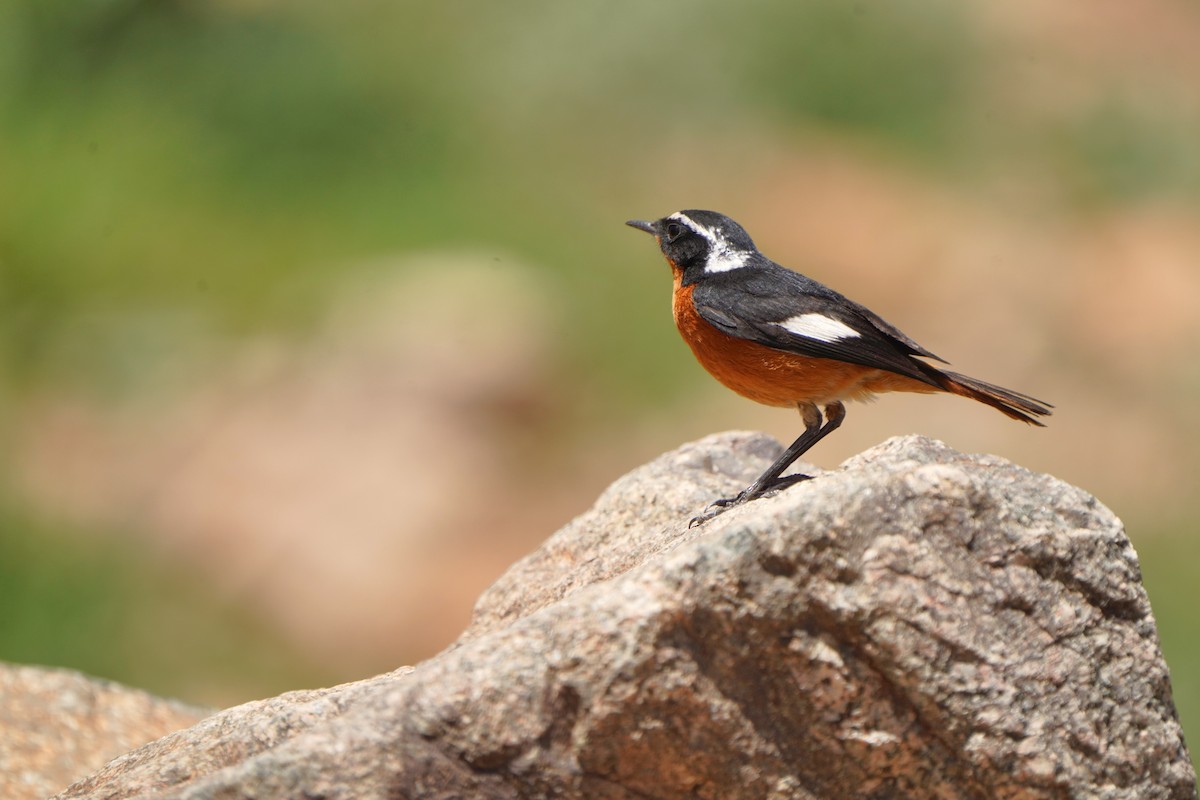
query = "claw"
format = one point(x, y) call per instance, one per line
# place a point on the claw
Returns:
point(700, 519)
point(718, 507)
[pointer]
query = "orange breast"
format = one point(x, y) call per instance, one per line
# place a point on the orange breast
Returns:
point(775, 377)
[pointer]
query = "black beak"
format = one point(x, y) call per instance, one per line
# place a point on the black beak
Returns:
point(642, 225)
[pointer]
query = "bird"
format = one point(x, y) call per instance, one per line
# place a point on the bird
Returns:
point(783, 339)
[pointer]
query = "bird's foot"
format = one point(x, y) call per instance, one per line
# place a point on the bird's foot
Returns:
point(718, 507)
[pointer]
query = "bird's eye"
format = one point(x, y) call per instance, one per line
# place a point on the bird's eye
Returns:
point(673, 231)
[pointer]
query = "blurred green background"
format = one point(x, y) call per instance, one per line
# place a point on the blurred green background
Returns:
point(313, 316)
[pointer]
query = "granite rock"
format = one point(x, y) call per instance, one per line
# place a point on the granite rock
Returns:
point(57, 726)
point(916, 623)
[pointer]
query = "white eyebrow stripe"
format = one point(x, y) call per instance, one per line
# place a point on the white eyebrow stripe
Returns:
point(818, 326)
point(696, 227)
point(721, 257)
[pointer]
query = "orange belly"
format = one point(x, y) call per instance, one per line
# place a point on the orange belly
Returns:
point(775, 377)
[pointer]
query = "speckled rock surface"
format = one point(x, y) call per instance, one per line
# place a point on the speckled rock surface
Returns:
point(916, 623)
point(57, 726)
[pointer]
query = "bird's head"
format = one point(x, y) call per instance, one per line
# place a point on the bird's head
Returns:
point(700, 243)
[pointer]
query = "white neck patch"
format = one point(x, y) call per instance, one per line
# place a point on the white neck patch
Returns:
point(819, 327)
point(722, 256)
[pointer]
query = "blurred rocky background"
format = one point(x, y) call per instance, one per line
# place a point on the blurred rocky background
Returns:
point(314, 317)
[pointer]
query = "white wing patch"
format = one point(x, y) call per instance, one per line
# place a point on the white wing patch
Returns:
point(819, 327)
point(722, 257)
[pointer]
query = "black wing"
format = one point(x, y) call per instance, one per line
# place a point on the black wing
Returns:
point(758, 302)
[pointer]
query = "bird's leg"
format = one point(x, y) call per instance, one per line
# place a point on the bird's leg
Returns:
point(814, 432)
point(769, 481)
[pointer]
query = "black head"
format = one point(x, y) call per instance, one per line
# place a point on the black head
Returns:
point(700, 242)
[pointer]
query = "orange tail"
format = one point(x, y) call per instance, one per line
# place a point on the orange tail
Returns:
point(1013, 404)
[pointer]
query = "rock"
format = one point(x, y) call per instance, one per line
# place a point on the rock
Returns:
point(917, 623)
point(57, 726)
